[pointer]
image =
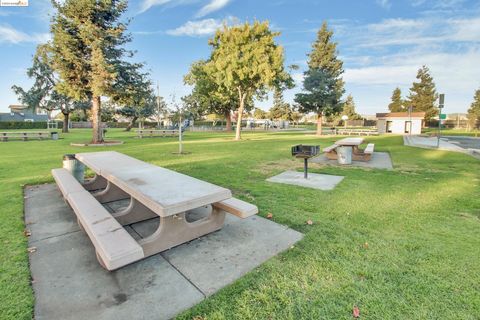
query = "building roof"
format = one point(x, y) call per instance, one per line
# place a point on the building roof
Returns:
point(401, 115)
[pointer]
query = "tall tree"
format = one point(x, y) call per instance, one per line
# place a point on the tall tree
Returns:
point(397, 102)
point(324, 56)
point(280, 110)
point(87, 46)
point(325, 70)
point(423, 95)
point(321, 97)
point(207, 96)
point(134, 93)
point(245, 59)
point(473, 114)
point(349, 109)
point(43, 94)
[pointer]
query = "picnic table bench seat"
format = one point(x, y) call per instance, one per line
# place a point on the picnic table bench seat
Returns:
point(237, 207)
point(331, 148)
point(24, 135)
point(114, 246)
point(369, 149)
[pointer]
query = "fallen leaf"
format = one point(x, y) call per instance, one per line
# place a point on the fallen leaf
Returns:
point(27, 233)
point(309, 222)
point(269, 215)
point(365, 245)
point(356, 312)
point(32, 249)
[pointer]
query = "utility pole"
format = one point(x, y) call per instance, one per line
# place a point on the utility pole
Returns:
point(441, 102)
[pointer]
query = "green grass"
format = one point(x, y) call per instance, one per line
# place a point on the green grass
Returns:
point(421, 222)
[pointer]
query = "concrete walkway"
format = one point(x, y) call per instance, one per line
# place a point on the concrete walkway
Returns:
point(379, 160)
point(70, 284)
point(445, 144)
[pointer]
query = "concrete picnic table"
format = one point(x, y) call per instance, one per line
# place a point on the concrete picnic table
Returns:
point(156, 192)
point(354, 143)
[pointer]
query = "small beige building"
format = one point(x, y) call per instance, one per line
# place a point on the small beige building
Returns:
point(400, 122)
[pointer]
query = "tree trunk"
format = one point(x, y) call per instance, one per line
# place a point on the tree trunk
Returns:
point(239, 116)
point(96, 120)
point(131, 124)
point(319, 124)
point(85, 115)
point(66, 117)
point(229, 121)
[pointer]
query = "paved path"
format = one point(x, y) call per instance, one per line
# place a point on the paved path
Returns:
point(70, 284)
point(445, 144)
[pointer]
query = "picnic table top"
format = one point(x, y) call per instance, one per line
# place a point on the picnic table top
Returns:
point(350, 141)
point(164, 191)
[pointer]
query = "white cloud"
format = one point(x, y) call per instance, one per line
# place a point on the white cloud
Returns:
point(384, 3)
point(147, 4)
point(9, 34)
point(213, 5)
point(201, 27)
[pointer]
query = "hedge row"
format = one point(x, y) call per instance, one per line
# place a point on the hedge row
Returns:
point(25, 125)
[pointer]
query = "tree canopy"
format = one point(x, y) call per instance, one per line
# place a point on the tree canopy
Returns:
point(423, 95)
point(43, 93)
point(349, 109)
point(474, 110)
point(87, 50)
point(247, 61)
point(397, 102)
point(323, 80)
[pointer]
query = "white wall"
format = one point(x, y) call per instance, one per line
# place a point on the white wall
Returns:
point(398, 125)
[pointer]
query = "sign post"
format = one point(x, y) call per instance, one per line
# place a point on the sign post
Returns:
point(441, 103)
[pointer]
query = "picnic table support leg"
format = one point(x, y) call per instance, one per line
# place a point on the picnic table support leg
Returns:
point(135, 212)
point(175, 230)
point(96, 183)
point(111, 193)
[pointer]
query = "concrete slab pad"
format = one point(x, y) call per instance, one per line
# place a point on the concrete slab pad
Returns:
point(314, 181)
point(379, 160)
point(46, 214)
point(215, 260)
point(69, 283)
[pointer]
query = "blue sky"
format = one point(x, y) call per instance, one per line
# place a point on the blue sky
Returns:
point(382, 42)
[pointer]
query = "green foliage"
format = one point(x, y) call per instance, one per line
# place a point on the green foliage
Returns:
point(260, 114)
point(349, 109)
point(280, 110)
point(246, 61)
point(322, 96)
point(43, 93)
point(397, 102)
point(88, 53)
point(324, 56)
point(423, 95)
point(25, 125)
point(474, 110)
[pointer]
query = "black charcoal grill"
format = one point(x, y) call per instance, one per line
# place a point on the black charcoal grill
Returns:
point(305, 152)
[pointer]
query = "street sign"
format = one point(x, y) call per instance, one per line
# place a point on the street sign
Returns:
point(443, 116)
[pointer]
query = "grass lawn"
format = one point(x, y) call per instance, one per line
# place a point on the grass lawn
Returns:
point(400, 244)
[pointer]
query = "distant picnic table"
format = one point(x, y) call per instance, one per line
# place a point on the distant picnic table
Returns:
point(357, 153)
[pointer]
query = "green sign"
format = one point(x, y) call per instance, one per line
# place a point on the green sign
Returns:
point(443, 116)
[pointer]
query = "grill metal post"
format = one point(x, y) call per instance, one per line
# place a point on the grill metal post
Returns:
point(305, 168)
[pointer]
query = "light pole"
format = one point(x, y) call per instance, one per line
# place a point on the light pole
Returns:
point(441, 102)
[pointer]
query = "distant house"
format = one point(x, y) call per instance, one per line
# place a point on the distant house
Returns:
point(400, 122)
point(23, 114)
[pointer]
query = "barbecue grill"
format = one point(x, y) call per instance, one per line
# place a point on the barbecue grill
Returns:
point(305, 152)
